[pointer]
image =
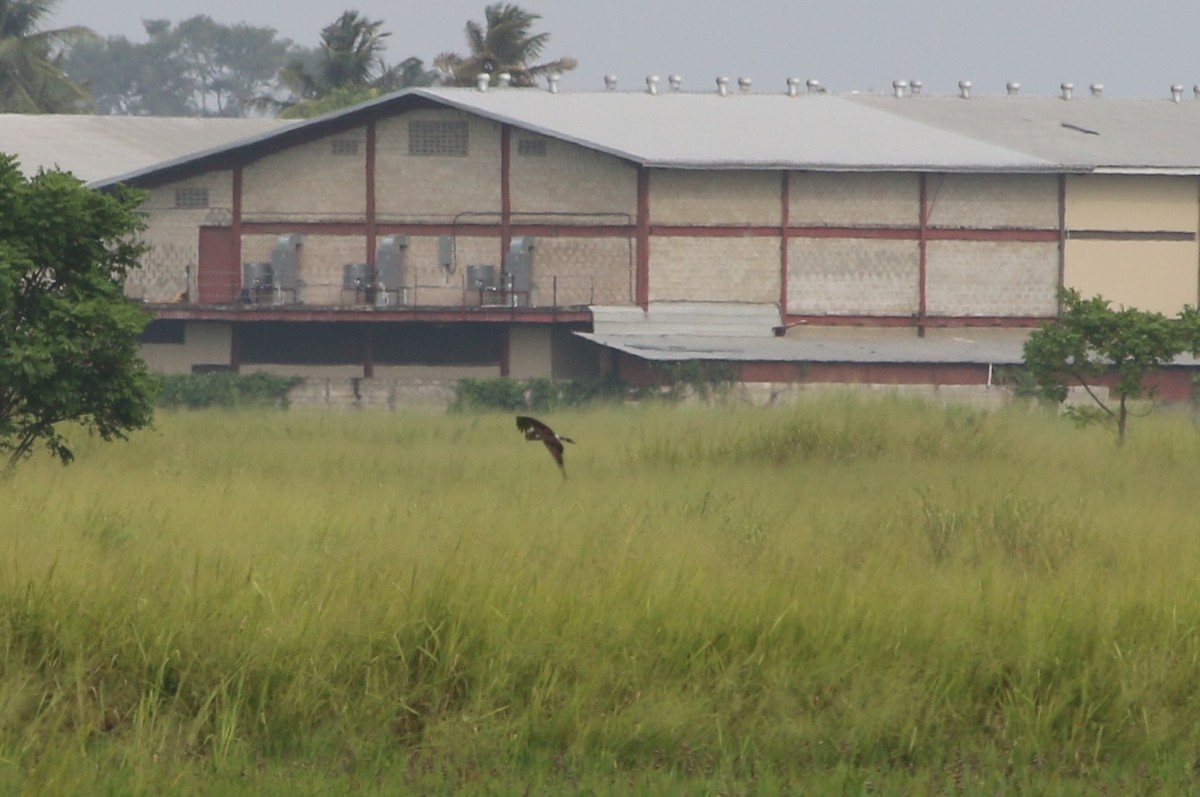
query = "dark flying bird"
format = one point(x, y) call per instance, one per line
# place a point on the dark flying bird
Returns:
point(536, 430)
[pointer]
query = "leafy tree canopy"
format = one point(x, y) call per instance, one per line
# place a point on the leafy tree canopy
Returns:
point(68, 335)
point(31, 76)
point(503, 43)
point(347, 68)
point(195, 68)
point(1091, 342)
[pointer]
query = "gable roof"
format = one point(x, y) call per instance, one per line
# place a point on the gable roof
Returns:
point(818, 132)
point(1095, 133)
point(96, 147)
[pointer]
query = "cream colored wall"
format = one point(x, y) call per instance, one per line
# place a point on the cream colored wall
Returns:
point(436, 188)
point(587, 270)
point(714, 269)
point(307, 182)
point(993, 201)
point(529, 351)
point(173, 234)
point(322, 258)
point(680, 196)
point(570, 184)
point(848, 199)
point(205, 343)
point(1159, 276)
point(1149, 203)
point(1142, 270)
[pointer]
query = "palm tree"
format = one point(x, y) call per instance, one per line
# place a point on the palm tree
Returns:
point(31, 75)
point(349, 68)
point(503, 44)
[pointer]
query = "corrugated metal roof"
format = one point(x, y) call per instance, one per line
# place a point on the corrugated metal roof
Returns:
point(1087, 133)
point(741, 131)
point(96, 147)
point(829, 345)
point(690, 130)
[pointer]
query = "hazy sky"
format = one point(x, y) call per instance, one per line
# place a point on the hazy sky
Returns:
point(1134, 48)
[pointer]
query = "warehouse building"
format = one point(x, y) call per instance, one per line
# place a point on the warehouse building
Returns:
point(794, 235)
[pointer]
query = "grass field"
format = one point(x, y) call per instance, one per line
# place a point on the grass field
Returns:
point(847, 596)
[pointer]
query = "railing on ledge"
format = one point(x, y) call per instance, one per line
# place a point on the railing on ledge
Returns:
point(548, 291)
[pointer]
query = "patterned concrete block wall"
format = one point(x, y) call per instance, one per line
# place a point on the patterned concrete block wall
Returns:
point(583, 271)
point(435, 285)
point(436, 188)
point(322, 258)
point(715, 197)
point(569, 184)
point(991, 278)
point(848, 199)
point(322, 180)
point(843, 276)
point(714, 269)
point(993, 201)
point(169, 269)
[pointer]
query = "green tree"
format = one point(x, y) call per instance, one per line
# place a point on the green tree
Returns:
point(31, 76)
point(348, 69)
point(196, 68)
point(1091, 343)
point(68, 335)
point(504, 43)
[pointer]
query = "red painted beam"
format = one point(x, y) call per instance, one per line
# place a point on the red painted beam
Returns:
point(642, 269)
point(923, 250)
point(505, 191)
point(235, 223)
point(368, 314)
point(1014, 322)
point(785, 210)
point(370, 198)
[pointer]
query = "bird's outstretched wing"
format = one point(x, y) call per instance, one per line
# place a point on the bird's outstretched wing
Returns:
point(533, 428)
point(536, 430)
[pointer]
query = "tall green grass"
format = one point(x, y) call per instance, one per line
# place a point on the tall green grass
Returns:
point(844, 595)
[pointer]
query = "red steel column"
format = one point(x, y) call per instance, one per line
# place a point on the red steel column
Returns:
point(642, 273)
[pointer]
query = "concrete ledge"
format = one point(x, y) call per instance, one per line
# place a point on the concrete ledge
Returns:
point(372, 394)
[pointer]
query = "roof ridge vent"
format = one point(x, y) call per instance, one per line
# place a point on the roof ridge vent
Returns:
point(610, 82)
point(1097, 89)
point(652, 84)
point(745, 84)
point(964, 89)
point(915, 86)
point(814, 86)
point(899, 87)
point(504, 80)
point(1013, 88)
point(722, 86)
point(1176, 93)
point(552, 82)
point(1196, 90)
point(1067, 90)
point(793, 86)
point(482, 80)
point(676, 82)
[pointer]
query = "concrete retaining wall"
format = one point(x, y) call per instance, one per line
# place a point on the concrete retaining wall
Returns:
point(372, 394)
